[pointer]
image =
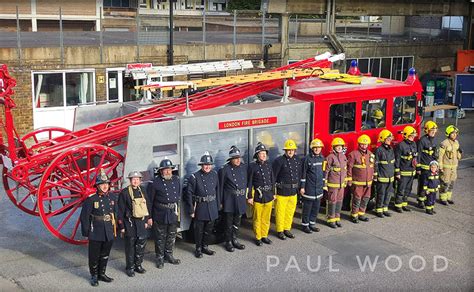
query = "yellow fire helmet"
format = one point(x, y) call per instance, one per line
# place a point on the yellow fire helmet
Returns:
point(289, 145)
point(450, 129)
point(377, 114)
point(316, 143)
point(338, 141)
point(430, 125)
point(384, 134)
point(363, 139)
point(408, 131)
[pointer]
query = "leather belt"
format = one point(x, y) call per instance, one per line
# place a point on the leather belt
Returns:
point(239, 193)
point(167, 205)
point(289, 186)
point(265, 188)
point(106, 217)
point(208, 198)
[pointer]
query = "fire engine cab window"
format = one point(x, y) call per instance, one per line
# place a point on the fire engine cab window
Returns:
point(373, 114)
point(342, 118)
point(404, 110)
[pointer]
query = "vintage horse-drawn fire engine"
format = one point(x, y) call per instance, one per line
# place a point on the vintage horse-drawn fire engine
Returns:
point(50, 172)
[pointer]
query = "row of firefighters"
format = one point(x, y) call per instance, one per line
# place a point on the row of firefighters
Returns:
point(263, 185)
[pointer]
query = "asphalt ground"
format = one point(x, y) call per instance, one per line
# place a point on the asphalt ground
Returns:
point(409, 251)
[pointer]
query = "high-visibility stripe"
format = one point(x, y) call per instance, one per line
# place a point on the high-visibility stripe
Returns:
point(399, 205)
point(404, 204)
point(387, 162)
point(331, 185)
point(424, 166)
point(407, 173)
point(362, 165)
point(330, 220)
point(432, 190)
point(433, 177)
point(429, 207)
point(348, 178)
point(449, 166)
point(361, 213)
point(409, 157)
point(361, 183)
point(385, 209)
point(386, 179)
point(397, 169)
point(337, 169)
point(429, 152)
point(422, 199)
point(355, 215)
point(379, 210)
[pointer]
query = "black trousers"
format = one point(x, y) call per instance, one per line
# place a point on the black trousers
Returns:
point(202, 232)
point(232, 224)
point(310, 211)
point(134, 251)
point(165, 238)
point(384, 194)
point(421, 194)
point(98, 256)
point(404, 186)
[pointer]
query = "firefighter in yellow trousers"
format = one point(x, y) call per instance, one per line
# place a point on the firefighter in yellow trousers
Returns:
point(449, 156)
point(287, 171)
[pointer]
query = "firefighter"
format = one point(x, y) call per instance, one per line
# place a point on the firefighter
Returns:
point(405, 168)
point(376, 120)
point(384, 173)
point(287, 171)
point(202, 203)
point(312, 184)
point(336, 175)
point(132, 221)
point(99, 226)
point(261, 194)
point(449, 156)
point(427, 153)
point(431, 185)
point(164, 195)
point(360, 174)
point(233, 184)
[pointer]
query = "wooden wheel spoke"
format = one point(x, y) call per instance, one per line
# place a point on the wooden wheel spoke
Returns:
point(76, 226)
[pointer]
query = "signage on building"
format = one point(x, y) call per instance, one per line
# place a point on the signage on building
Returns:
point(135, 66)
point(247, 123)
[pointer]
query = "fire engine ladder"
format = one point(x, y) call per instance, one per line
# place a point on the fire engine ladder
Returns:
point(113, 132)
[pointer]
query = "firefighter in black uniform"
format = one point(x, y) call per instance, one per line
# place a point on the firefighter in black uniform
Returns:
point(233, 191)
point(261, 194)
point(98, 225)
point(384, 173)
point(287, 171)
point(427, 153)
point(132, 221)
point(202, 203)
point(164, 195)
point(405, 168)
point(312, 184)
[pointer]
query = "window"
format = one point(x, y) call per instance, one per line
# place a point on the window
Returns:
point(404, 110)
point(59, 89)
point(120, 3)
point(373, 114)
point(342, 118)
point(387, 67)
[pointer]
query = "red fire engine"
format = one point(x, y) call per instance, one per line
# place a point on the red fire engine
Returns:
point(51, 177)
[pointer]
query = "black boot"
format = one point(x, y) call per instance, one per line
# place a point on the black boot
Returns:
point(313, 228)
point(445, 203)
point(363, 218)
point(451, 202)
point(130, 273)
point(332, 224)
point(170, 240)
point(306, 229)
point(139, 254)
point(258, 242)
point(206, 250)
point(94, 281)
point(198, 252)
point(228, 246)
point(235, 242)
point(398, 210)
point(94, 270)
point(338, 224)
point(160, 236)
point(380, 214)
point(160, 262)
point(421, 205)
point(102, 268)
point(266, 240)
point(288, 234)
point(429, 211)
point(406, 209)
point(281, 236)
point(387, 214)
point(355, 220)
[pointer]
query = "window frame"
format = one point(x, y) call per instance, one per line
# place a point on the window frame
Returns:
point(414, 112)
point(63, 72)
point(383, 110)
point(331, 132)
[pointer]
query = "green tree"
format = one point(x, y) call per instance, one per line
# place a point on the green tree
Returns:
point(244, 5)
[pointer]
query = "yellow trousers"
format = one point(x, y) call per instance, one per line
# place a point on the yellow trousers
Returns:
point(262, 212)
point(284, 210)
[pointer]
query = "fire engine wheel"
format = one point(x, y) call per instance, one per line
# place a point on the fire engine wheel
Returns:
point(33, 138)
point(68, 182)
point(22, 193)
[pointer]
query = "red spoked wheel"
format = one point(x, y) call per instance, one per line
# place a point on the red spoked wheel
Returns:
point(68, 181)
point(34, 138)
point(22, 193)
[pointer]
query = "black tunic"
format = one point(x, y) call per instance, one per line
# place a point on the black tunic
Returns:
point(201, 185)
point(164, 192)
point(134, 227)
point(287, 173)
point(260, 176)
point(233, 183)
point(95, 228)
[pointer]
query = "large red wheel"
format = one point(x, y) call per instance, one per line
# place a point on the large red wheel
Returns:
point(32, 139)
point(68, 181)
point(22, 193)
